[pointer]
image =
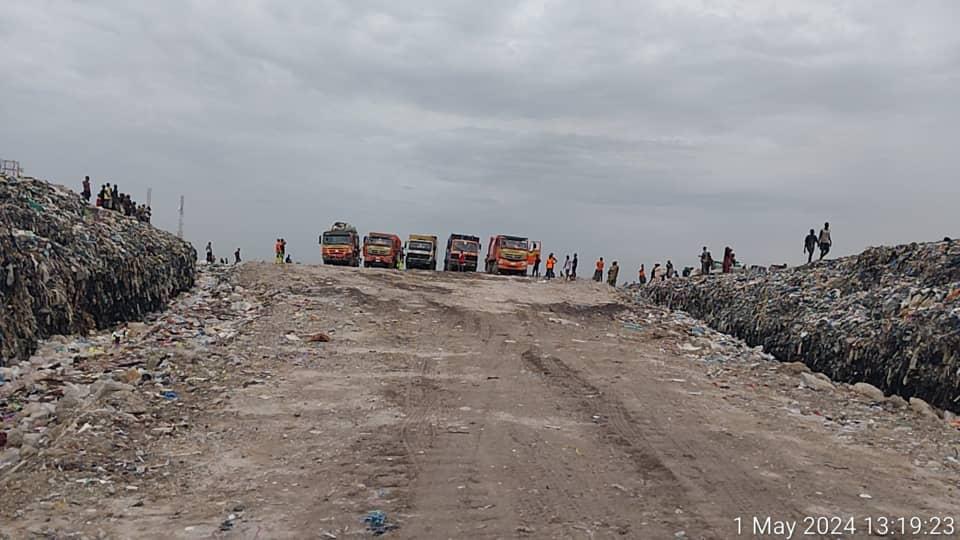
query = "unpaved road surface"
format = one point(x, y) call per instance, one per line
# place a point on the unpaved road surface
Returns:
point(477, 407)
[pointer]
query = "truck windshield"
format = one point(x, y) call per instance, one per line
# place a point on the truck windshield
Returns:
point(469, 247)
point(336, 239)
point(515, 244)
point(379, 241)
point(419, 246)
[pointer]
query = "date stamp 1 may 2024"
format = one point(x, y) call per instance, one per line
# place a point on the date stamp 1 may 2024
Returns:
point(840, 526)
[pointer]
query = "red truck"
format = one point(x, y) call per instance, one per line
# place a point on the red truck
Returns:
point(382, 249)
point(507, 255)
point(341, 245)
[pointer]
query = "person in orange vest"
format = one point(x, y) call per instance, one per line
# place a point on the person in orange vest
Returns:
point(642, 277)
point(551, 263)
point(598, 273)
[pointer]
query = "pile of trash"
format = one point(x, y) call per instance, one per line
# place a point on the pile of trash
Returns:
point(68, 267)
point(889, 316)
point(96, 411)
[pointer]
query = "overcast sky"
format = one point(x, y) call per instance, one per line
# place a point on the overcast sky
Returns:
point(639, 131)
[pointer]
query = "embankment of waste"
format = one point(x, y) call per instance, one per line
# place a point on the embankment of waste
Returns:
point(68, 267)
point(889, 316)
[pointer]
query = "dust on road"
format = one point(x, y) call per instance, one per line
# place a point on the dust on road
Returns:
point(469, 406)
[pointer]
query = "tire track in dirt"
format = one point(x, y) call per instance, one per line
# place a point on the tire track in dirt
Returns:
point(660, 483)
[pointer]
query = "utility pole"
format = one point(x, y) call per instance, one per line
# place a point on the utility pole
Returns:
point(180, 224)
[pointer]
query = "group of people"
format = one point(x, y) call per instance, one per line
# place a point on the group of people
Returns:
point(812, 241)
point(280, 252)
point(569, 267)
point(612, 274)
point(211, 259)
point(110, 198)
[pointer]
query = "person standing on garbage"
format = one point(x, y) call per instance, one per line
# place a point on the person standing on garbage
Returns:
point(86, 193)
point(573, 268)
point(728, 259)
point(107, 197)
point(642, 275)
point(810, 245)
point(706, 261)
point(236, 256)
point(566, 268)
point(598, 272)
point(657, 273)
point(825, 240)
point(551, 263)
point(536, 266)
point(210, 259)
point(612, 274)
point(670, 272)
point(283, 248)
point(277, 252)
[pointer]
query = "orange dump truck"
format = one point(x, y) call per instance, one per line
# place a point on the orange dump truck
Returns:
point(507, 255)
point(382, 249)
point(340, 245)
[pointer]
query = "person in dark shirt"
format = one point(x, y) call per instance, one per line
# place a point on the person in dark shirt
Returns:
point(86, 193)
point(810, 245)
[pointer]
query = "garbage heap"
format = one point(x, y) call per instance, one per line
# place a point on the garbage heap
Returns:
point(68, 267)
point(889, 316)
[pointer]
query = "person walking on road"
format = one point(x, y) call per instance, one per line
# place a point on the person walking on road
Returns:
point(706, 262)
point(551, 263)
point(825, 240)
point(598, 273)
point(573, 268)
point(642, 275)
point(612, 274)
point(810, 245)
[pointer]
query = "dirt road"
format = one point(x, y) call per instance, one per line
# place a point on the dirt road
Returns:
point(480, 407)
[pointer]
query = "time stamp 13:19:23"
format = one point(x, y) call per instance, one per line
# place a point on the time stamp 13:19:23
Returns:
point(769, 527)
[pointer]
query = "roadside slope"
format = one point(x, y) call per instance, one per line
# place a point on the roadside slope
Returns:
point(69, 268)
point(889, 316)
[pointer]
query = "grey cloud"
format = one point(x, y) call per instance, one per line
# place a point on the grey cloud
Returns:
point(636, 130)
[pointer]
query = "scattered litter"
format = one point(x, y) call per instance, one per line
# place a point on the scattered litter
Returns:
point(319, 337)
point(377, 523)
point(292, 337)
point(169, 395)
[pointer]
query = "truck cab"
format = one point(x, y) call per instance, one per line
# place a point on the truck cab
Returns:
point(462, 244)
point(422, 252)
point(507, 255)
point(340, 245)
point(382, 249)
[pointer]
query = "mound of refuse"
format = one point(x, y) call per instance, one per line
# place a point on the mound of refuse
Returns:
point(68, 267)
point(889, 316)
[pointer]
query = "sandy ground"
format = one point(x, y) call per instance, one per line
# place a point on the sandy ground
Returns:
point(480, 407)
